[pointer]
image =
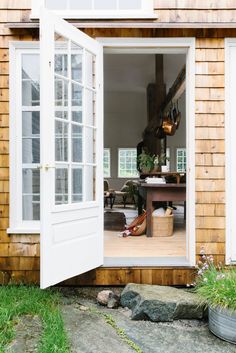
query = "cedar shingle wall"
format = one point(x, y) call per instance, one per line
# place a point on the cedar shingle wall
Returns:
point(19, 254)
point(195, 10)
point(210, 145)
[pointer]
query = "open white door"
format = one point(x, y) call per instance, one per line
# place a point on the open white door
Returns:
point(71, 151)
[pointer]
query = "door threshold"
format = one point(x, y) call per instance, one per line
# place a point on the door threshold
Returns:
point(146, 262)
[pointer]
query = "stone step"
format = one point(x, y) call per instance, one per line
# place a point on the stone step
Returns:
point(161, 303)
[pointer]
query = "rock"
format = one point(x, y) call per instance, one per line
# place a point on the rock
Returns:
point(113, 301)
point(104, 296)
point(161, 303)
point(109, 298)
point(88, 332)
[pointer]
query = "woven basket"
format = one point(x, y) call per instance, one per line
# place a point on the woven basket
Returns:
point(162, 226)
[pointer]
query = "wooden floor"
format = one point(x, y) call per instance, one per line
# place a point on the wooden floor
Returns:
point(142, 246)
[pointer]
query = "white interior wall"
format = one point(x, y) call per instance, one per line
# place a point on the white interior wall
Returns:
point(126, 77)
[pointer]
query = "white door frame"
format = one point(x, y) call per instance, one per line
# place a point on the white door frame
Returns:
point(230, 73)
point(169, 46)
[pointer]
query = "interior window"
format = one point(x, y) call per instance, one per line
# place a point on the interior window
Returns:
point(106, 163)
point(127, 158)
point(181, 159)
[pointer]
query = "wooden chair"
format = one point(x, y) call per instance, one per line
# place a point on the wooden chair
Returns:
point(109, 194)
point(124, 192)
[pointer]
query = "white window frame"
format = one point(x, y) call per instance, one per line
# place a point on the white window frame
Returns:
point(230, 145)
point(125, 149)
point(17, 225)
point(183, 150)
point(108, 150)
point(147, 11)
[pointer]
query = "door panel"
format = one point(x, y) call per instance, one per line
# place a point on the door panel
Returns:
point(71, 151)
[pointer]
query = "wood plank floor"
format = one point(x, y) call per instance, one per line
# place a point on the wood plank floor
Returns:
point(141, 246)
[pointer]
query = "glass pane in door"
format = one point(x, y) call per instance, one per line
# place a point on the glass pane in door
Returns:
point(61, 185)
point(75, 131)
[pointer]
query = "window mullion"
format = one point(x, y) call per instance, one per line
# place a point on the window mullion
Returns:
point(69, 127)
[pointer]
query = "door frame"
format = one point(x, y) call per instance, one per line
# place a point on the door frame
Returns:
point(169, 46)
point(229, 155)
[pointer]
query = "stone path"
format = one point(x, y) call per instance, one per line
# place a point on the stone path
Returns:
point(89, 332)
point(93, 328)
point(28, 330)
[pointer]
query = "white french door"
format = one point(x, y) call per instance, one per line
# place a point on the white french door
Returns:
point(71, 71)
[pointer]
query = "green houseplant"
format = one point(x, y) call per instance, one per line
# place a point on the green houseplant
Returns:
point(146, 162)
point(216, 285)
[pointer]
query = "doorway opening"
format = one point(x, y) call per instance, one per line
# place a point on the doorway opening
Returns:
point(145, 112)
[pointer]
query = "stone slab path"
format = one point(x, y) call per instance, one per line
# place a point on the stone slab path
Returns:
point(90, 333)
point(28, 330)
point(93, 328)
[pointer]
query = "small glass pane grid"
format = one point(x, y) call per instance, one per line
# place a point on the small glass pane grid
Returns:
point(181, 159)
point(106, 163)
point(75, 126)
point(93, 4)
point(30, 136)
point(127, 163)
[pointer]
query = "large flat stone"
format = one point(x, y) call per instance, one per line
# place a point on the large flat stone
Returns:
point(89, 333)
point(28, 332)
point(161, 303)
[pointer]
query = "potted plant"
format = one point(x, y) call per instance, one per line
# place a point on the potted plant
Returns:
point(216, 285)
point(146, 162)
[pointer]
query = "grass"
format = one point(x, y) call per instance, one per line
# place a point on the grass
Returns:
point(21, 300)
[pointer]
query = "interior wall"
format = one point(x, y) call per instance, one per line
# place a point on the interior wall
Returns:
point(125, 119)
point(179, 139)
point(126, 77)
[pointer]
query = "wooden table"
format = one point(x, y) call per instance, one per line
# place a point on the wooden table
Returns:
point(160, 192)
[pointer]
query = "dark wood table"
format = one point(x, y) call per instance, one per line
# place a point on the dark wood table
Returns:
point(160, 192)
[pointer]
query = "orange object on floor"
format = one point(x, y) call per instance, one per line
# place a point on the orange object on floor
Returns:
point(140, 229)
point(137, 221)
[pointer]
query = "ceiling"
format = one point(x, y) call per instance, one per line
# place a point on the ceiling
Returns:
point(133, 72)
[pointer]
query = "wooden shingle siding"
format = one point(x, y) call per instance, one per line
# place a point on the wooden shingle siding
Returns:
point(195, 11)
point(195, 4)
point(19, 254)
point(15, 4)
point(210, 146)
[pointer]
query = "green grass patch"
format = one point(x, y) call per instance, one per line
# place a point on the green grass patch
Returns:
point(21, 300)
